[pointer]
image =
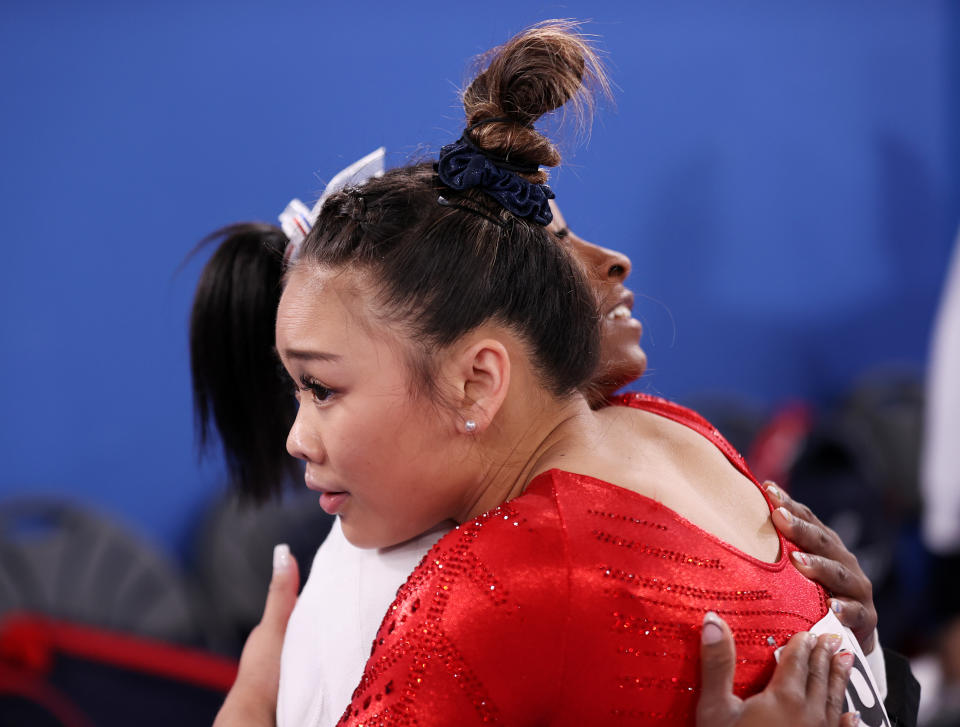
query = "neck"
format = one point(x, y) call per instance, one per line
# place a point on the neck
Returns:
point(530, 435)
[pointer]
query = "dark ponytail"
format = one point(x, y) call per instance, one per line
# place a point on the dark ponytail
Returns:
point(237, 386)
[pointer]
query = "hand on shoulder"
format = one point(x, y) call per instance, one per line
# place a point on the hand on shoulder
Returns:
point(825, 559)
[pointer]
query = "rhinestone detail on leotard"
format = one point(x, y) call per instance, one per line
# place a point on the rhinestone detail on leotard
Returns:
point(575, 604)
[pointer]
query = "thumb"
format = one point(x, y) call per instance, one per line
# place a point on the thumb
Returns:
point(284, 585)
point(717, 705)
point(850, 719)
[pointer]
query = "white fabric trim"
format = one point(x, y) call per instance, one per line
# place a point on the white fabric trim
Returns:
point(333, 625)
point(878, 665)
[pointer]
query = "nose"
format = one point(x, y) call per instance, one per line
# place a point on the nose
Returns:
point(617, 265)
point(608, 265)
point(302, 442)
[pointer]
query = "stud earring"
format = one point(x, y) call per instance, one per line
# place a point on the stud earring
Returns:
point(470, 426)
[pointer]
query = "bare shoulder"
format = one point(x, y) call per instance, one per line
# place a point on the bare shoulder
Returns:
point(679, 467)
point(646, 452)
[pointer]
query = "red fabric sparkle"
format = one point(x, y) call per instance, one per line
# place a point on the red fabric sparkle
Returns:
point(577, 603)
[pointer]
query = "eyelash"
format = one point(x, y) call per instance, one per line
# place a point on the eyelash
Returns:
point(319, 393)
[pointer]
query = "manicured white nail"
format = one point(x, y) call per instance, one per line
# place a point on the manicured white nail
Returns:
point(786, 514)
point(800, 557)
point(774, 491)
point(281, 557)
point(711, 633)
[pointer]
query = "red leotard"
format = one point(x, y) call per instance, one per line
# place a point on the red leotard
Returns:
point(577, 603)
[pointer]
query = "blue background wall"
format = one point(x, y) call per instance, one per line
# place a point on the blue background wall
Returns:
point(784, 176)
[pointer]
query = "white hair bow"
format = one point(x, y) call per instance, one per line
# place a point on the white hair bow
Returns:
point(297, 219)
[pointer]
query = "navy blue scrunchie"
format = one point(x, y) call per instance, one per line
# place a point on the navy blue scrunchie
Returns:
point(462, 166)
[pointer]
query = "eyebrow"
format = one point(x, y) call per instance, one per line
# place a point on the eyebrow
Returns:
point(300, 355)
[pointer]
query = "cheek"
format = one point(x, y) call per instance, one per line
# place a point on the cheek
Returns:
point(388, 437)
point(385, 430)
point(360, 448)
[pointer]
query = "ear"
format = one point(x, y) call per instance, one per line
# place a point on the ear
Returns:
point(482, 378)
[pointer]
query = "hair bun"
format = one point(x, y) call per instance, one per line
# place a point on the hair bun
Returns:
point(536, 72)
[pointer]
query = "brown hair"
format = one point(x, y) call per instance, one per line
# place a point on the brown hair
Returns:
point(444, 270)
point(548, 66)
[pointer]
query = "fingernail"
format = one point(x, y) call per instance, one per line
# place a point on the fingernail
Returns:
point(800, 558)
point(711, 633)
point(787, 515)
point(833, 642)
point(281, 557)
point(811, 639)
point(773, 491)
point(846, 662)
point(836, 606)
point(856, 715)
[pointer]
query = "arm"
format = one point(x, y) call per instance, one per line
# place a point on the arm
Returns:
point(806, 689)
point(252, 701)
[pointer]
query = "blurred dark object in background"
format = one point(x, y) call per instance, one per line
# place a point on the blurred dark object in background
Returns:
point(885, 411)
point(858, 470)
point(99, 628)
point(940, 706)
point(89, 618)
point(775, 449)
point(739, 421)
point(74, 564)
point(945, 586)
point(233, 560)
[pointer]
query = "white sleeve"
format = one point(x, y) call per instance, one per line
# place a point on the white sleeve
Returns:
point(878, 666)
point(307, 681)
point(335, 620)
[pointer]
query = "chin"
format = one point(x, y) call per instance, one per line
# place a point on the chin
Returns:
point(371, 537)
point(364, 538)
point(624, 368)
point(639, 364)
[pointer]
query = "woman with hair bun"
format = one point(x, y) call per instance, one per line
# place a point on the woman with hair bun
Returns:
point(340, 608)
point(440, 340)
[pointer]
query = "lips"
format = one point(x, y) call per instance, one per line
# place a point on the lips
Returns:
point(331, 500)
point(621, 311)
